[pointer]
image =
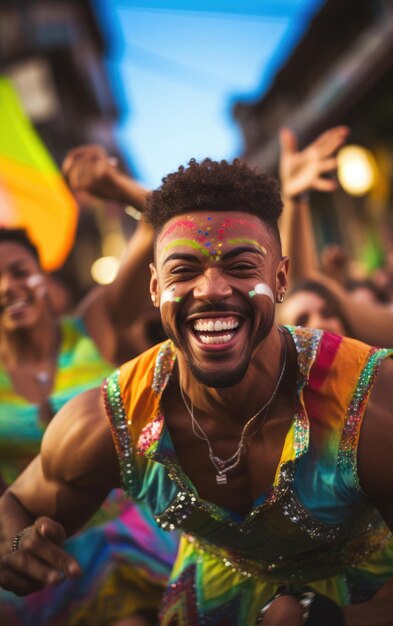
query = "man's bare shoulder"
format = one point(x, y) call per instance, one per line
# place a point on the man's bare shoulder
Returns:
point(375, 451)
point(78, 442)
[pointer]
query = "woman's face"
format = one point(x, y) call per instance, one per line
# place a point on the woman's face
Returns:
point(306, 308)
point(22, 287)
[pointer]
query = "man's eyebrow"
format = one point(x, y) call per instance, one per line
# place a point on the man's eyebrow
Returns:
point(182, 256)
point(242, 249)
point(252, 242)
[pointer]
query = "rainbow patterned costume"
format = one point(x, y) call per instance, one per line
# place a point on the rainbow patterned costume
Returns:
point(125, 557)
point(315, 526)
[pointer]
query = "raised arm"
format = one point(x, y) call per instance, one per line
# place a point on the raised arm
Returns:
point(57, 493)
point(302, 171)
point(110, 311)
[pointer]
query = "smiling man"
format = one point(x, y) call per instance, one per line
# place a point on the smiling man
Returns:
point(270, 448)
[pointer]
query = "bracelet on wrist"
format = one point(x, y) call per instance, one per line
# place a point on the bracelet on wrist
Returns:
point(16, 542)
point(318, 610)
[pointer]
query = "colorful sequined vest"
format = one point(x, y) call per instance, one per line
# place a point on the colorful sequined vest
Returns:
point(314, 523)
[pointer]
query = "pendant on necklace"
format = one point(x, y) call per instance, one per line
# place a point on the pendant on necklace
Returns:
point(42, 377)
point(221, 479)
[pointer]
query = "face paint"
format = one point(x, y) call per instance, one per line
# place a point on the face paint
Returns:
point(250, 241)
point(261, 289)
point(187, 242)
point(189, 223)
point(169, 296)
point(207, 237)
point(37, 282)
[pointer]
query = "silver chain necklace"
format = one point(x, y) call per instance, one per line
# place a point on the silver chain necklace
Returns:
point(223, 466)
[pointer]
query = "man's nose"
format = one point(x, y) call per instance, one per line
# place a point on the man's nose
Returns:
point(212, 286)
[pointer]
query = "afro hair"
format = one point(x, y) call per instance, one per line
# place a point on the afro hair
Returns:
point(215, 186)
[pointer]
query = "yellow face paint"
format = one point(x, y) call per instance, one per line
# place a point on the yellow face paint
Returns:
point(187, 242)
point(250, 241)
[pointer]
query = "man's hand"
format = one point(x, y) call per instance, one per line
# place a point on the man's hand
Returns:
point(284, 611)
point(90, 169)
point(304, 170)
point(39, 561)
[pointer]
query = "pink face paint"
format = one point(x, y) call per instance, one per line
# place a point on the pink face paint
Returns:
point(262, 289)
point(206, 240)
point(185, 223)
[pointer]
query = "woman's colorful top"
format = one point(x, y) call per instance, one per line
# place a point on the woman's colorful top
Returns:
point(315, 526)
point(127, 560)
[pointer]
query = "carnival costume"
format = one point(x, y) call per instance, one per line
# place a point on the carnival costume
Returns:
point(314, 527)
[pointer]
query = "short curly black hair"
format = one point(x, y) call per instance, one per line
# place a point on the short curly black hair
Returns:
point(19, 236)
point(216, 186)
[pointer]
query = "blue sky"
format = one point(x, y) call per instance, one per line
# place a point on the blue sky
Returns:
point(177, 68)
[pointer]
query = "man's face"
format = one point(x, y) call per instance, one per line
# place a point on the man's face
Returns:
point(22, 287)
point(216, 278)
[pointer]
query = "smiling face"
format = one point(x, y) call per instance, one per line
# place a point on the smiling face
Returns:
point(22, 287)
point(216, 279)
point(306, 308)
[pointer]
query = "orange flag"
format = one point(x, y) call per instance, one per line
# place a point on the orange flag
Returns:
point(33, 194)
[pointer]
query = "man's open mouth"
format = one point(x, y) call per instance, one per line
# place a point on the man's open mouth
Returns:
point(214, 331)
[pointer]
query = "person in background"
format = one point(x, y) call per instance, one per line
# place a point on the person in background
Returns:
point(310, 303)
point(45, 361)
point(302, 171)
point(269, 448)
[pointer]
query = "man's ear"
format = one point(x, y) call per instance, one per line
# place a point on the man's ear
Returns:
point(282, 278)
point(154, 290)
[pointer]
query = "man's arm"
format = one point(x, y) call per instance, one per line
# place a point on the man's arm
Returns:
point(375, 468)
point(109, 312)
point(57, 493)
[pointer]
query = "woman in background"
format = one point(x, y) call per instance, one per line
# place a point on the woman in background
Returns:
point(45, 361)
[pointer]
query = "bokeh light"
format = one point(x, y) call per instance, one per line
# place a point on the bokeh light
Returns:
point(357, 170)
point(104, 269)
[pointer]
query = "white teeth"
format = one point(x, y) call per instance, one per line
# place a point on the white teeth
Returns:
point(215, 340)
point(215, 326)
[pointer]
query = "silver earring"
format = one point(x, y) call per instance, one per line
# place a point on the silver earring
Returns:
point(280, 297)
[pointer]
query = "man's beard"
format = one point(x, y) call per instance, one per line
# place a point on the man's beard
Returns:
point(217, 379)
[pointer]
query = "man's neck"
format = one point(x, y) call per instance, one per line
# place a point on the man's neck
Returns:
point(244, 398)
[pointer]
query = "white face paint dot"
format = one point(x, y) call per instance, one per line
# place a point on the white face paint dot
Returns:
point(34, 280)
point(168, 296)
point(262, 289)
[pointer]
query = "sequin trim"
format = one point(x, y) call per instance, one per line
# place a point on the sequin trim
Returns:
point(150, 436)
point(347, 454)
point(307, 341)
point(165, 360)
point(298, 514)
point(120, 433)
